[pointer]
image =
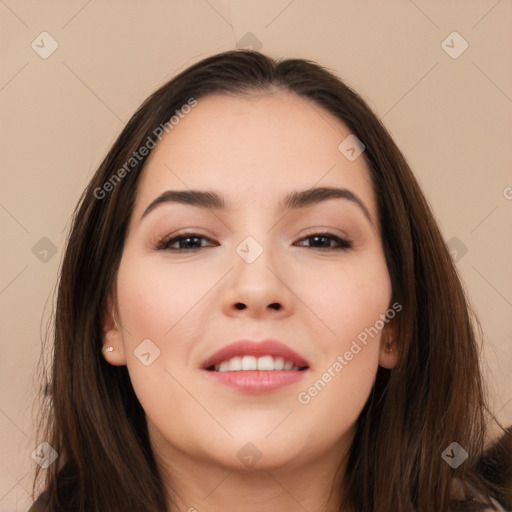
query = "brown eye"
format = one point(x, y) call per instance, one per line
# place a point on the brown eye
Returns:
point(192, 242)
point(324, 239)
point(186, 242)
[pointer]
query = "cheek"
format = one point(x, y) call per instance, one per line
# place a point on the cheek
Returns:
point(153, 307)
point(158, 305)
point(348, 297)
point(348, 351)
point(155, 301)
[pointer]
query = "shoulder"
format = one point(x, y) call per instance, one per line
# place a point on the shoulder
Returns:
point(496, 507)
point(35, 507)
point(457, 491)
point(38, 505)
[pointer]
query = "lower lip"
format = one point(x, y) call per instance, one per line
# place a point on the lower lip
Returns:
point(256, 381)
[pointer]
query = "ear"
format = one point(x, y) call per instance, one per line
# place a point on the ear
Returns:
point(388, 351)
point(112, 333)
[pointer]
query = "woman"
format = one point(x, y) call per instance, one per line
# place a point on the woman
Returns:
point(257, 311)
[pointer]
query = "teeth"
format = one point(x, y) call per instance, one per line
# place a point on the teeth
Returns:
point(224, 366)
point(235, 364)
point(265, 363)
point(249, 363)
point(278, 363)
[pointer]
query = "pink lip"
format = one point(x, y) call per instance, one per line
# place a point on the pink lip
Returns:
point(272, 348)
point(256, 381)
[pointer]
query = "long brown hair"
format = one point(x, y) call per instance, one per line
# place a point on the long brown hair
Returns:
point(434, 396)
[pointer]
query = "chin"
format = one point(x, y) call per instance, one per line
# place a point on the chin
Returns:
point(262, 456)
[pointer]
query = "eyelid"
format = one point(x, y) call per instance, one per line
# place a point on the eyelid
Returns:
point(325, 231)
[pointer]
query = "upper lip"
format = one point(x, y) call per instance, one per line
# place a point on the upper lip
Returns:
point(246, 347)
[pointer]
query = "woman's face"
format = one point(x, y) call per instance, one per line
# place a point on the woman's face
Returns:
point(257, 273)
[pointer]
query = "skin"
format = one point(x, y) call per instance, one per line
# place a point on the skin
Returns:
point(252, 150)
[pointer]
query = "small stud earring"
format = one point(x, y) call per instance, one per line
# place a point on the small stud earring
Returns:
point(108, 350)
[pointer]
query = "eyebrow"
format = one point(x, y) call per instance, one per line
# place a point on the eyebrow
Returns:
point(294, 200)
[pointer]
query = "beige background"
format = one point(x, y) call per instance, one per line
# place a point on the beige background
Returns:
point(450, 116)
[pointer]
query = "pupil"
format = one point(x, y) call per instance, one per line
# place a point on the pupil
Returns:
point(326, 244)
point(187, 239)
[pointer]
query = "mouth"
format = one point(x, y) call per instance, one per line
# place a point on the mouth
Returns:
point(266, 363)
point(256, 367)
point(249, 355)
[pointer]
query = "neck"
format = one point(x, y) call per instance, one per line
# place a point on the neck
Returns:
point(205, 486)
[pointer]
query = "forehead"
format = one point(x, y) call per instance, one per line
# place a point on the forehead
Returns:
point(253, 148)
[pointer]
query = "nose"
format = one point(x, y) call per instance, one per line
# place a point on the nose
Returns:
point(257, 289)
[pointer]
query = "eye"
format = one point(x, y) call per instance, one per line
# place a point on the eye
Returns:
point(192, 242)
point(325, 238)
point(186, 242)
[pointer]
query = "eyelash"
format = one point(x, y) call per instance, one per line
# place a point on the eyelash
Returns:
point(164, 244)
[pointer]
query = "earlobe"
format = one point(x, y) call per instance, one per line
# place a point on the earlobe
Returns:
point(388, 357)
point(389, 354)
point(113, 346)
